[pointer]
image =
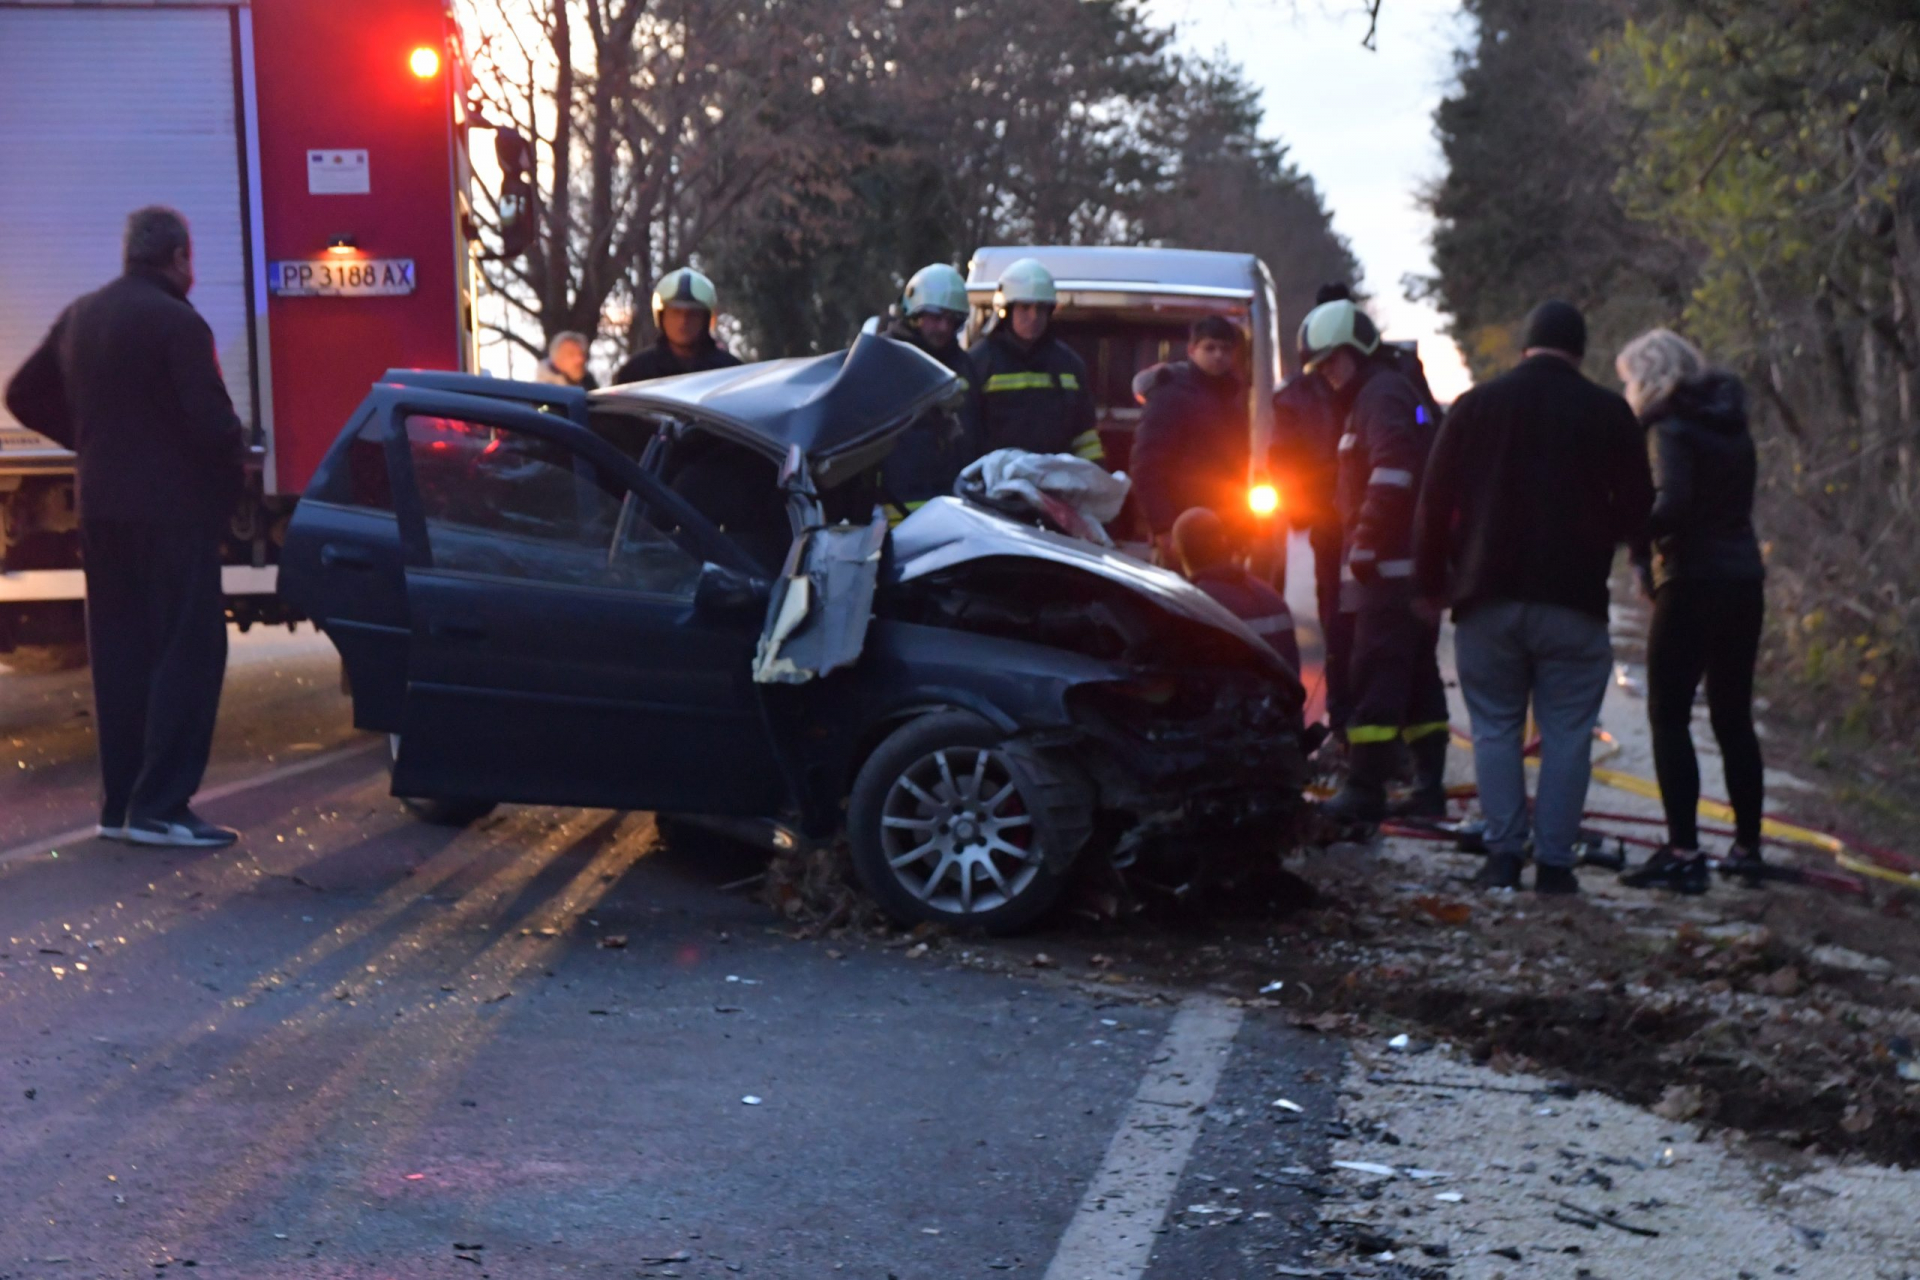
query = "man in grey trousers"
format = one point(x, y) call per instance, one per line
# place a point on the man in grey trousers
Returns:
point(1535, 478)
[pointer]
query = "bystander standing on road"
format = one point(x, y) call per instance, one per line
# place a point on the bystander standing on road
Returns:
point(566, 362)
point(1207, 553)
point(1191, 447)
point(1536, 479)
point(1707, 578)
point(129, 380)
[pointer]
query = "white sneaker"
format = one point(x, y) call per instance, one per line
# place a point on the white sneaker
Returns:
point(188, 832)
point(105, 832)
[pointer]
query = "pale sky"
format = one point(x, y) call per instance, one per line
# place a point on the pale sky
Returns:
point(1360, 122)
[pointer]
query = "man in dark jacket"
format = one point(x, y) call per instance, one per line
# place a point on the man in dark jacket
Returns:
point(1397, 693)
point(930, 453)
point(128, 379)
point(1205, 550)
point(683, 307)
point(1035, 391)
point(1535, 479)
point(1191, 447)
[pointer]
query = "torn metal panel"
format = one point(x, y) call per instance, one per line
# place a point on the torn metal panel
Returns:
point(947, 532)
point(817, 621)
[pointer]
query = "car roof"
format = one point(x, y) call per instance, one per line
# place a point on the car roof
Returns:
point(1110, 266)
point(826, 404)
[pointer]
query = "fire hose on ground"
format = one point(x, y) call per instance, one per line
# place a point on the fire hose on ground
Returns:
point(1849, 853)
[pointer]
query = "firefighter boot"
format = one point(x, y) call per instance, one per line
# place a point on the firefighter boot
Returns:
point(1362, 798)
point(1429, 796)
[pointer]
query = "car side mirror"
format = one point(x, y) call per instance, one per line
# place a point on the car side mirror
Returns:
point(727, 593)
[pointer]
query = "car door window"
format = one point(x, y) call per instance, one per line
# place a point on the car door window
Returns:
point(510, 504)
point(355, 475)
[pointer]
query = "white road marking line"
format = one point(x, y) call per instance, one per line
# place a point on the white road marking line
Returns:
point(47, 844)
point(1112, 1234)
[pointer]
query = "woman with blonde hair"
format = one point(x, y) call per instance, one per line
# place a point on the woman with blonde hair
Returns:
point(1704, 571)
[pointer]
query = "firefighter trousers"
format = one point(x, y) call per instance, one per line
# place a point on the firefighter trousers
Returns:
point(1397, 692)
point(157, 642)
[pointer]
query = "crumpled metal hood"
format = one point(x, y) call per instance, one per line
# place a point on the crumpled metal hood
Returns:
point(948, 532)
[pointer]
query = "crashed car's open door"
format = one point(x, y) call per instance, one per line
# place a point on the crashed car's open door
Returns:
point(562, 649)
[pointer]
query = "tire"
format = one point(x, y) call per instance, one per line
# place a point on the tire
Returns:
point(944, 785)
point(46, 659)
point(439, 813)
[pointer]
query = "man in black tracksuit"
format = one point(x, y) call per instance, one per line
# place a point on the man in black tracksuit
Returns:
point(1191, 447)
point(1397, 691)
point(1035, 392)
point(129, 380)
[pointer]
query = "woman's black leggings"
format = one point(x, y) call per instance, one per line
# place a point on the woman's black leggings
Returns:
point(1711, 629)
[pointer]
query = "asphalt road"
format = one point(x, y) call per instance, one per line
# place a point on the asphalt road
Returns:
point(357, 1046)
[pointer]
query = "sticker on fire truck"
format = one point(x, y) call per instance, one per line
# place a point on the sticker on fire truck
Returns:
point(334, 278)
point(338, 173)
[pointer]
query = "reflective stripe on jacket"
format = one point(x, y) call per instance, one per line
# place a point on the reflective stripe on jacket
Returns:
point(1036, 398)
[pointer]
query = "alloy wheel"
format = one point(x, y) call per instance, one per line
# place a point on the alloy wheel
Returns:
point(957, 833)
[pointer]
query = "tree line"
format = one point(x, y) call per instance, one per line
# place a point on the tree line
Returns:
point(810, 154)
point(1748, 172)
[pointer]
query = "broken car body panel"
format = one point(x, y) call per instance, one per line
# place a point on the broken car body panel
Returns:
point(817, 622)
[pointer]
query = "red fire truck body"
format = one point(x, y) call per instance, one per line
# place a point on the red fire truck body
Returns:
point(319, 154)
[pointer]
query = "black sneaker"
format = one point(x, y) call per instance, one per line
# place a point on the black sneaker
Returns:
point(1500, 871)
point(1745, 864)
point(1667, 869)
point(1555, 880)
point(188, 831)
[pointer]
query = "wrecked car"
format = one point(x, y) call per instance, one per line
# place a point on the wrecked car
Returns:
point(677, 596)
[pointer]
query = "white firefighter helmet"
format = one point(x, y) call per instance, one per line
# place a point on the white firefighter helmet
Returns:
point(1025, 281)
point(684, 288)
point(937, 287)
point(1333, 325)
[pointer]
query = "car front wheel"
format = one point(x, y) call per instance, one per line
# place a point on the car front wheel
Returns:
point(437, 812)
point(943, 828)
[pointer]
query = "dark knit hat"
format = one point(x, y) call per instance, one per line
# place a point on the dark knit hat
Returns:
point(1557, 326)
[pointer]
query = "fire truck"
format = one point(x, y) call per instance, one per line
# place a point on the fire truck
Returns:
point(319, 154)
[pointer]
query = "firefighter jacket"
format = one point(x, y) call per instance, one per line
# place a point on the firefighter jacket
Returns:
point(659, 361)
point(1035, 397)
point(929, 454)
point(1383, 456)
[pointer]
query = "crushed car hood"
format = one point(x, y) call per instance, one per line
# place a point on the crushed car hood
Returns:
point(947, 532)
point(830, 406)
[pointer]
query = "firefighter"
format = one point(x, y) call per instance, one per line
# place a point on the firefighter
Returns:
point(1191, 448)
point(683, 306)
point(928, 457)
point(1305, 458)
point(1034, 390)
point(1397, 694)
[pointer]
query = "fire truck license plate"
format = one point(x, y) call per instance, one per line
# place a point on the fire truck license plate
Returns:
point(333, 278)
